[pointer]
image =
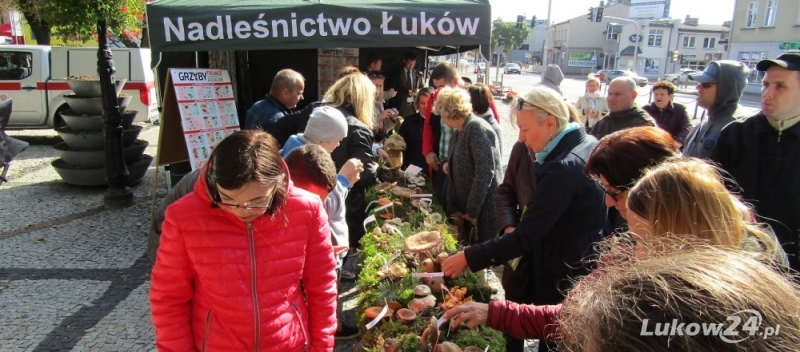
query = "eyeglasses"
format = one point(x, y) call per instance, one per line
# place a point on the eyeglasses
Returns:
point(707, 85)
point(255, 207)
point(610, 193)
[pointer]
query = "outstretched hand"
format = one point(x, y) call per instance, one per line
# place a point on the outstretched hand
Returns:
point(472, 314)
point(454, 265)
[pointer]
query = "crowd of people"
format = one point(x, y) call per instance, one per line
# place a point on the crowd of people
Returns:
point(608, 217)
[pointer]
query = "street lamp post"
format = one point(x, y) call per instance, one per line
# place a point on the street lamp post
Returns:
point(638, 39)
point(547, 34)
point(118, 194)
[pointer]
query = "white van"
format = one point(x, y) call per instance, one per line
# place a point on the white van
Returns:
point(34, 76)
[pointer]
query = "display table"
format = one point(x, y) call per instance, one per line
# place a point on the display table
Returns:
point(402, 291)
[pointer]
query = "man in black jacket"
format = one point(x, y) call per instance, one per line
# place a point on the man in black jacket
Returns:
point(624, 112)
point(762, 152)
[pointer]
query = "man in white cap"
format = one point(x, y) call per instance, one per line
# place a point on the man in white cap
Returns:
point(719, 89)
point(762, 152)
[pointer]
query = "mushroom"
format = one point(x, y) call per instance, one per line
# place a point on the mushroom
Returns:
point(384, 201)
point(430, 300)
point(428, 266)
point(473, 349)
point(431, 334)
point(402, 192)
point(394, 146)
point(395, 305)
point(416, 305)
point(373, 312)
point(423, 241)
point(384, 187)
point(390, 345)
point(436, 284)
point(421, 291)
point(447, 347)
point(441, 257)
point(386, 215)
point(405, 315)
point(397, 269)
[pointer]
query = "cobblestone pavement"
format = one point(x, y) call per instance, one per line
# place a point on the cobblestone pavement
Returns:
point(74, 275)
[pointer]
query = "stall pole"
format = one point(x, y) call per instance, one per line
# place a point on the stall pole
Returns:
point(118, 194)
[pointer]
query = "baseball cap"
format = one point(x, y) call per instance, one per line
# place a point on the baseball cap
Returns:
point(789, 61)
point(709, 75)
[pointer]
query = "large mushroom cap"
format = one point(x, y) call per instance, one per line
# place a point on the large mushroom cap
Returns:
point(373, 312)
point(422, 291)
point(447, 346)
point(395, 142)
point(406, 315)
point(473, 349)
point(423, 241)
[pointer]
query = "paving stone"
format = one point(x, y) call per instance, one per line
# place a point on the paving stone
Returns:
point(129, 324)
point(109, 239)
point(30, 309)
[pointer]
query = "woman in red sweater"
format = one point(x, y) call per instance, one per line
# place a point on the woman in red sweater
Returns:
point(245, 262)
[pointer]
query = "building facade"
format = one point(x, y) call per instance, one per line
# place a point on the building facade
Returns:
point(700, 44)
point(763, 29)
point(532, 48)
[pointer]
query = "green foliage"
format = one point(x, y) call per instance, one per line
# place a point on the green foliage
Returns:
point(375, 290)
point(78, 18)
point(479, 337)
point(508, 30)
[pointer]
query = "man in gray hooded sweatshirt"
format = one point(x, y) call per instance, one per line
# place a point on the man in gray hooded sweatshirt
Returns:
point(719, 89)
point(552, 78)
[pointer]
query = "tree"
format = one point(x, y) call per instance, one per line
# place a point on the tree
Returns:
point(513, 36)
point(78, 18)
point(31, 9)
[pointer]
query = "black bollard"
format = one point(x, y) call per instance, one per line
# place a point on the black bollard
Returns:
point(119, 194)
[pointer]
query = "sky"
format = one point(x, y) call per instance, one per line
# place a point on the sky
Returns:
point(709, 11)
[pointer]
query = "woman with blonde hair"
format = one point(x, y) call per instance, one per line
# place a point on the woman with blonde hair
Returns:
point(686, 196)
point(592, 105)
point(701, 298)
point(472, 166)
point(565, 215)
point(354, 96)
point(676, 206)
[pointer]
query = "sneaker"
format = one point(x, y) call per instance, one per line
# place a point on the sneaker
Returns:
point(347, 332)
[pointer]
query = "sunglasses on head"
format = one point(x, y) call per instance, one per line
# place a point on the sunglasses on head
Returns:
point(707, 85)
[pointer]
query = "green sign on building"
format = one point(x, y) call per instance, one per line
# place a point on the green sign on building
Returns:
point(790, 46)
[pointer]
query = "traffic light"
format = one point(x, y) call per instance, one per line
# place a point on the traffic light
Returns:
point(501, 41)
point(519, 21)
point(676, 56)
point(599, 17)
point(533, 22)
point(681, 58)
point(591, 14)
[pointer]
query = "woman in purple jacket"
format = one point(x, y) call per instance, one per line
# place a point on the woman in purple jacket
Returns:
point(669, 115)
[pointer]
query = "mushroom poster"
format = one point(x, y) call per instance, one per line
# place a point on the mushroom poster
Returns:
point(207, 109)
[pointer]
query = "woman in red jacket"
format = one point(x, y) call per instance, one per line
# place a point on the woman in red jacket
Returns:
point(245, 261)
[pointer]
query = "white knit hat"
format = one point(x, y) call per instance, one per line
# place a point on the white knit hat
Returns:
point(326, 124)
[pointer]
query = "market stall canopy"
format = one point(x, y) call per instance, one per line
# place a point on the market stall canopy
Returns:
point(201, 25)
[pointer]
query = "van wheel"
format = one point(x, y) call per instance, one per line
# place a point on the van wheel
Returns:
point(58, 121)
